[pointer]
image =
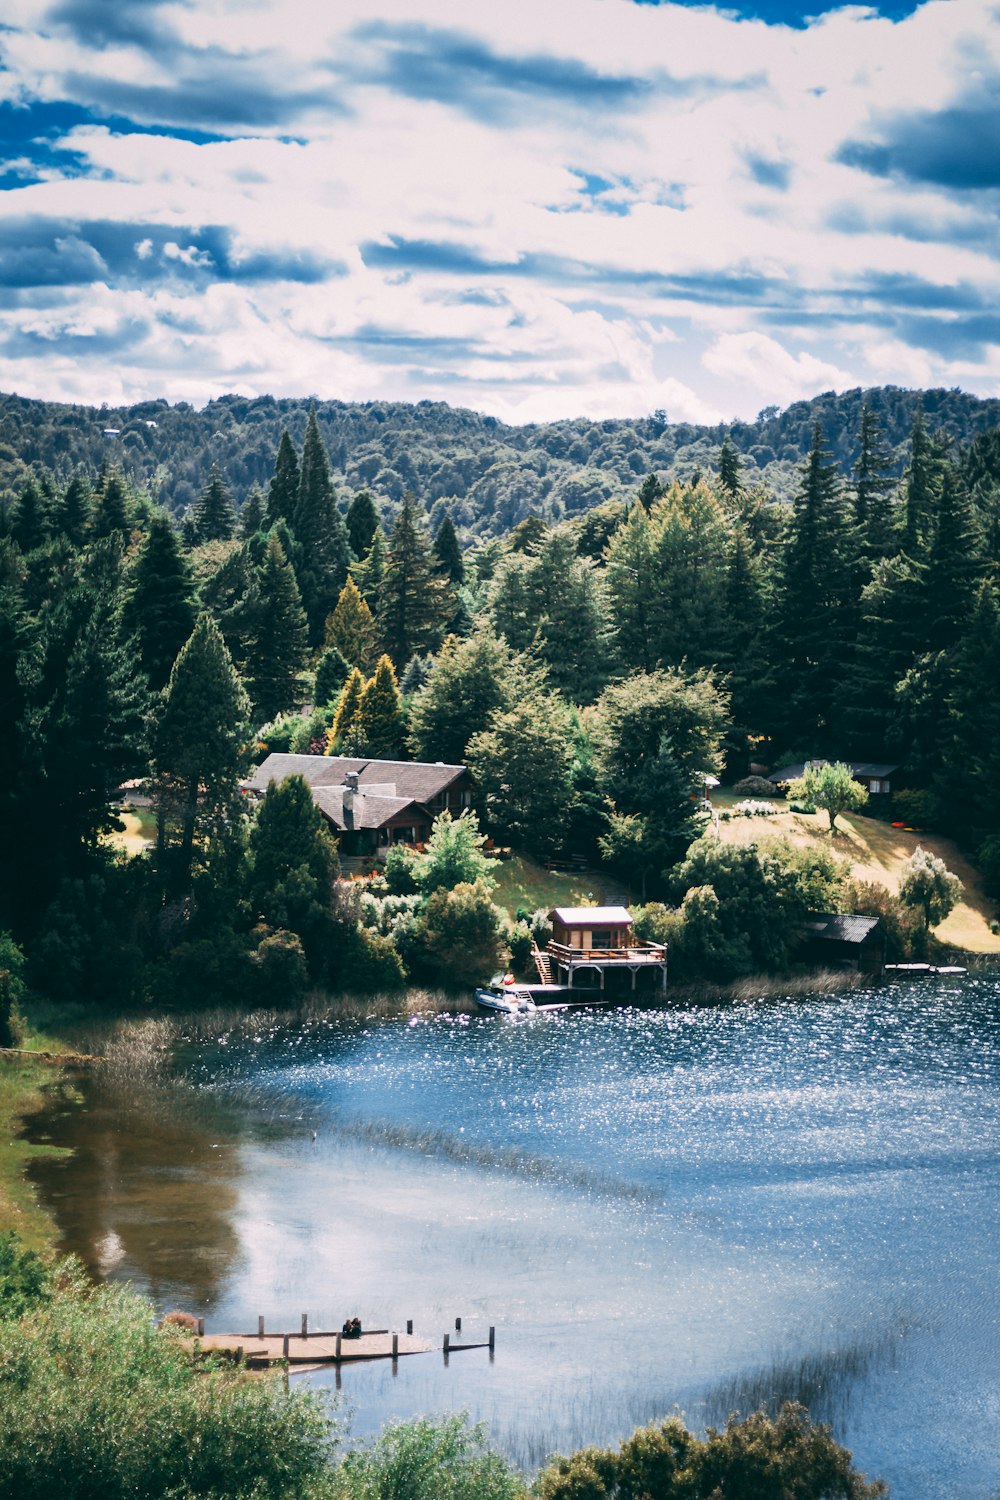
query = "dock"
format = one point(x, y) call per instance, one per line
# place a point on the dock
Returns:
point(260, 1350)
point(914, 971)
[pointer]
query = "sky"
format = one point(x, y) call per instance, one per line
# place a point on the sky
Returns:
point(535, 208)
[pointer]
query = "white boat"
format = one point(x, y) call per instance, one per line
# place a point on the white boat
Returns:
point(509, 999)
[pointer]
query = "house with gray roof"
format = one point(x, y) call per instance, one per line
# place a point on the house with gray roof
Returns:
point(371, 804)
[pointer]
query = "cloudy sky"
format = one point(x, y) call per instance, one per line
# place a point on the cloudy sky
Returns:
point(537, 208)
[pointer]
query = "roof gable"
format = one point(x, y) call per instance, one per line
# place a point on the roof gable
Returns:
point(592, 916)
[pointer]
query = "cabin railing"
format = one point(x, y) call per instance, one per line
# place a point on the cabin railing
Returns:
point(634, 953)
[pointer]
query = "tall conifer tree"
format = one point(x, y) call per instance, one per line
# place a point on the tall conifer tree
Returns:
point(411, 606)
point(75, 510)
point(320, 532)
point(159, 609)
point(214, 514)
point(380, 713)
point(110, 515)
point(283, 494)
point(448, 552)
point(362, 522)
point(280, 637)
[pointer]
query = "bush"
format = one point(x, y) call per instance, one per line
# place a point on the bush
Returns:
point(369, 963)
point(904, 938)
point(425, 1460)
point(988, 861)
point(517, 936)
point(280, 970)
point(399, 870)
point(755, 786)
point(12, 992)
point(809, 808)
point(752, 809)
point(921, 808)
point(458, 937)
point(96, 1402)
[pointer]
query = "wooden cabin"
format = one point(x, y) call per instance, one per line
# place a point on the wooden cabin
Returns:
point(594, 947)
point(846, 940)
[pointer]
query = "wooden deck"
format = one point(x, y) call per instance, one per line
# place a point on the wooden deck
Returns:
point(317, 1349)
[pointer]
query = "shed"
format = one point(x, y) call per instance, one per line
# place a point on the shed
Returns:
point(846, 940)
point(591, 927)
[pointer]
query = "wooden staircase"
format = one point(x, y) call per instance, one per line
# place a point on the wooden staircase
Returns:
point(543, 964)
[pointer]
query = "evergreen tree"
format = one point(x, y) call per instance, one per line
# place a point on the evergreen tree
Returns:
point(815, 620)
point(231, 596)
point(921, 487)
point(448, 552)
point(650, 491)
point(159, 610)
point(73, 517)
point(954, 560)
point(873, 507)
point(278, 652)
point(320, 533)
point(362, 522)
point(522, 763)
point(214, 515)
point(369, 571)
point(631, 581)
point(690, 540)
point(110, 515)
point(469, 680)
point(18, 670)
point(350, 629)
point(31, 520)
point(283, 493)
point(290, 869)
point(332, 671)
point(568, 603)
point(411, 604)
point(380, 714)
point(969, 770)
point(200, 738)
point(730, 468)
point(891, 633)
point(750, 672)
point(345, 727)
point(253, 513)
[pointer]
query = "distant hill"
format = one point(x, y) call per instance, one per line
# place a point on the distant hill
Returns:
point(488, 475)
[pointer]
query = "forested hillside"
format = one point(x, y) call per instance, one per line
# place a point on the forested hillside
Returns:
point(590, 669)
point(487, 475)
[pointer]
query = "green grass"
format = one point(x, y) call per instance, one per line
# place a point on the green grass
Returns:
point(22, 1085)
point(521, 881)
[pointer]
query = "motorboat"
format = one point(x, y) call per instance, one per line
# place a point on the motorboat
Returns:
point(507, 998)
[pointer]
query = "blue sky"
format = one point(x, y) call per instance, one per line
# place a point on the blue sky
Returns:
point(540, 210)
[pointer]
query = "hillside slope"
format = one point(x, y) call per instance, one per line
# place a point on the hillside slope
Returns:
point(878, 852)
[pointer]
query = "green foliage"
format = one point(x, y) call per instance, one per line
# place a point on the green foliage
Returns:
point(458, 934)
point(425, 1460)
point(379, 724)
point(12, 991)
point(362, 522)
point(283, 491)
point(832, 788)
point(159, 607)
point(368, 962)
point(279, 640)
point(320, 533)
point(468, 681)
point(213, 518)
point(26, 1281)
point(523, 767)
point(350, 628)
point(787, 1457)
point(399, 870)
point(752, 918)
point(90, 945)
point(454, 855)
point(928, 884)
point(634, 717)
point(280, 968)
point(291, 865)
point(412, 600)
point(98, 1404)
point(904, 938)
point(448, 552)
point(345, 727)
point(332, 671)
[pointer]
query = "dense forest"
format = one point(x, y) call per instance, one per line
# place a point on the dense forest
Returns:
point(591, 663)
point(486, 475)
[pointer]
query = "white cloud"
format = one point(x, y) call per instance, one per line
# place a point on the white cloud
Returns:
point(762, 364)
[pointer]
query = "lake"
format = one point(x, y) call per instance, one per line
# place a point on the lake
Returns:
point(701, 1209)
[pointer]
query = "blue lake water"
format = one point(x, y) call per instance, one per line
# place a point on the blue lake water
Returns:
point(700, 1209)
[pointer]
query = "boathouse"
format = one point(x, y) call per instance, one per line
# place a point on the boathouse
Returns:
point(845, 940)
point(594, 947)
point(372, 804)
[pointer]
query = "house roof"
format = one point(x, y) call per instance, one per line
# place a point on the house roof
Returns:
point(872, 768)
point(592, 916)
point(841, 927)
point(413, 780)
point(362, 810)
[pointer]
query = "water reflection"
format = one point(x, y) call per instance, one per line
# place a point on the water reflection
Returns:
point(712, 1209)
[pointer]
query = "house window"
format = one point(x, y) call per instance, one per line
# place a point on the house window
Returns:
point(601, 938)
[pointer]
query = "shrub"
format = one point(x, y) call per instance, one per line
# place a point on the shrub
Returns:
point(280, 970)
point(399, 870)
point(920, 807)
point(25, 1279)
point(12, 992)
point(904, 939)
point(798, 806)
point(752, 809)
point(517, 936)
point(927, 883)
point(454, 855)
point(425, 1460)
point(756, 786)
point(458, 934)
point(369, 962)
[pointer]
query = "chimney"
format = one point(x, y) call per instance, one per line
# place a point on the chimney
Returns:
point(350, 788)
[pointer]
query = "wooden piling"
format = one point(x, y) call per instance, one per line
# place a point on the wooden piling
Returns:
point(201, 1327)
point(493, 1338)
point(305, 1325)
point(284, 1347)
point(447, 1342)
point(395, 1346)
point(409, 1325)
point(458, 1325)
point(260, 1328)
point(339, 1337)
point(239, 1354)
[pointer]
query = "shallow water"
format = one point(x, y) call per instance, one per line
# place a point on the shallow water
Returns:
point(706, 1209)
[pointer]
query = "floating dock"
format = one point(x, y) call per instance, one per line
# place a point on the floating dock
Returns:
point(915, 971)
point(260, 1350)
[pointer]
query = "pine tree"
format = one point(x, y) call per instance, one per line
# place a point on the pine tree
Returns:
point(569, 607)
point(814, 621)
point(332, 671)
point(750, 673)
point(320, 533)
point(650, 491)
point(31, 521)
point(74, 513)
point(873, 507)
point(954, 560)
point(345, 719)
point(969, 771)
point(362, 522)
point(290, 869)
point(891, 634)
point(18, 670)
point(214, 515)
point(369, 571)
point(468, 681)
point(921, 487)
point(159, 609)
point(631, 583)
point(690, 540)
point(411, 604)
point(730, 468)
point(200, 738)
point(283, 493)
point(448, 552)
point(110, 515)
point(380, 713)
point(350, 627)
point(278, 651)
point(252, 514)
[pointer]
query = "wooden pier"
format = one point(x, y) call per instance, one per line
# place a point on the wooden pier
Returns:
point(259, 1350)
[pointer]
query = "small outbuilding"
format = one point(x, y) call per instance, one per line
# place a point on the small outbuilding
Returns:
point(594, 947)
point(846, 940)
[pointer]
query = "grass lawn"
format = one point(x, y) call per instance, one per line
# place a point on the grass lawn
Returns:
point(522, 882)
point(140, 830)
point(22, 1081)
point(876, 851)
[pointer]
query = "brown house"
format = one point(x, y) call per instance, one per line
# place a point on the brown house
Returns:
point(594, 947)
point(371, 804)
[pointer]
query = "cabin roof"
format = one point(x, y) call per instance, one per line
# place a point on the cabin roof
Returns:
point(363, 809)
point(592, 916)
point(413, 780)
point(841, 927)
point(873, 768)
